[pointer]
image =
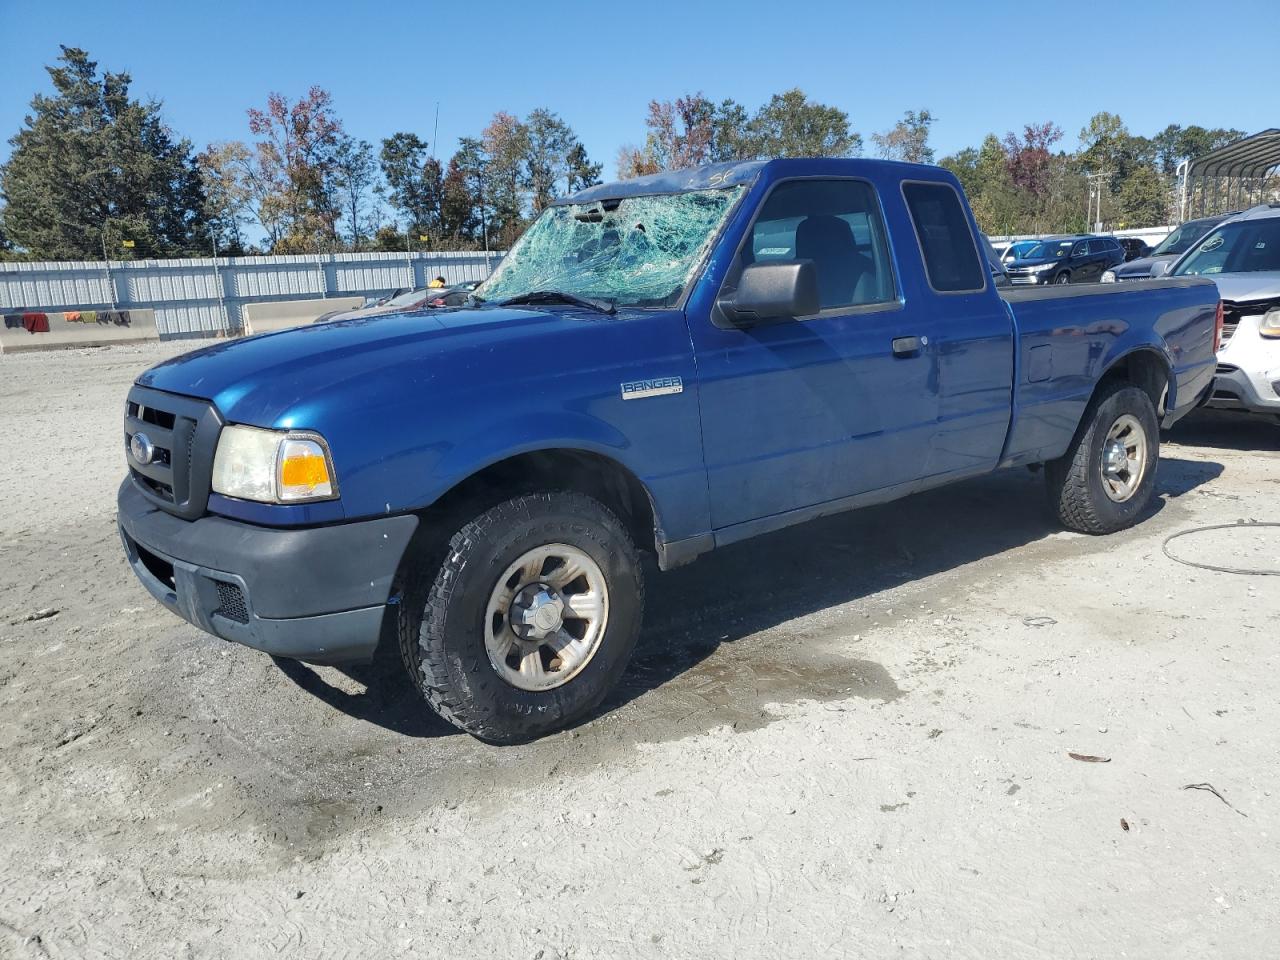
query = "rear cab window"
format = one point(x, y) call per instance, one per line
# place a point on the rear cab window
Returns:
point(946, 243)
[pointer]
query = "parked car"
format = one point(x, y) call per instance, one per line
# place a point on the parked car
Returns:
point(998, 275)
point(1071, 259)
point(1133, 247)
point(454, 296)
point(369, 302)
point(1016, 249)
point(409, 300)
point(670, 364)
point(1166, 252)
point(1242, 255)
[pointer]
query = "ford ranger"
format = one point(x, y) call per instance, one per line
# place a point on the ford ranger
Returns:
point(666, 364)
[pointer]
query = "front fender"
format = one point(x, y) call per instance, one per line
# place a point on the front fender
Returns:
point(516, 436)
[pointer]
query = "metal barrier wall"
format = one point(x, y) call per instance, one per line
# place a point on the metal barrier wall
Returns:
point(203, 298)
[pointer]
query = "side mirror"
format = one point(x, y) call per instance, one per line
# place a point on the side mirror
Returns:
point(782, 290)
point(1161, 267)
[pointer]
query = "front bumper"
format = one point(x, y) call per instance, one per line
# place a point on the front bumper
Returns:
point(1248, 376)
point(316, 594)
point(1235, 389)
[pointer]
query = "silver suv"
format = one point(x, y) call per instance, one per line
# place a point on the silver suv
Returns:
point(1242, 255)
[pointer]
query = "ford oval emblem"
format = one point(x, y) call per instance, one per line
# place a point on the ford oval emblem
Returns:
point(142, 448)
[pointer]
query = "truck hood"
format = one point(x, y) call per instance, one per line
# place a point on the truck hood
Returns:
point(1141, 267)
point(1243, 287)
point(259, 380)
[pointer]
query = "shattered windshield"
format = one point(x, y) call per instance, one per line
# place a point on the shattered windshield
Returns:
point(637, 251)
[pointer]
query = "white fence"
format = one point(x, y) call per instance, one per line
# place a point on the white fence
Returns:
point(1148, 235)
point(201, 298)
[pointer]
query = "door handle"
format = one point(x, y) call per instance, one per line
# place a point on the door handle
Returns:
point(908, 346)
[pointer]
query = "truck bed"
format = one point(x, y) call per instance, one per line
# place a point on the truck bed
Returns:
point(1067, 336)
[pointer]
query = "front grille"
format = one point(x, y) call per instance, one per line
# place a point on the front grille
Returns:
point(1233, 312)
point(160, 418)
point(183, 434)
point(231, 603)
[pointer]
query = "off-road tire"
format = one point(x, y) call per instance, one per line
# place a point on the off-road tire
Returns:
point(1076, 490)
point(442, 614)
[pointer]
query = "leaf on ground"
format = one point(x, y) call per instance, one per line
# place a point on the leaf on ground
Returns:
point(1088, 758)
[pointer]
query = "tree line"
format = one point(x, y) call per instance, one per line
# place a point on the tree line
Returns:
point(94, 171)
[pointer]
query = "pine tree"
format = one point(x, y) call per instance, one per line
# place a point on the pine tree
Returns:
point(92, 167)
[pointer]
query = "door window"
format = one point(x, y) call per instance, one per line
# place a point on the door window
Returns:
point(837, 225)
point(946, 242)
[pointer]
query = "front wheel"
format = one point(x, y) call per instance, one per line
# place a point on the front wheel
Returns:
point(1063, 277)
point(1107, 476)
point(529, 621)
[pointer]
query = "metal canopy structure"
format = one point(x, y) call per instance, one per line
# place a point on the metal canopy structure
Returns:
point(1230, 178)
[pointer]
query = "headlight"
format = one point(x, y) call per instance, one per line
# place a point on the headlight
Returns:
point(1270, 327)
point(273, 466)
point(1043, 267)
point(1108, 276)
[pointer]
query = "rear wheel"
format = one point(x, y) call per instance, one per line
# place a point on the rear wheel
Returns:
point(530, 619)
point(1107, 476)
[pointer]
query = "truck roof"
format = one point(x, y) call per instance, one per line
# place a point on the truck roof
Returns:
point(714, 175)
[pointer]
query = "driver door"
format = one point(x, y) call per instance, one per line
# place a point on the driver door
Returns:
point(805, 411)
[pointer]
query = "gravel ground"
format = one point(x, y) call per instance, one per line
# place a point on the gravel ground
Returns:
point(847, 739)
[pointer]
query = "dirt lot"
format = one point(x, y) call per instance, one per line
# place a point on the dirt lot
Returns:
point(847, 739)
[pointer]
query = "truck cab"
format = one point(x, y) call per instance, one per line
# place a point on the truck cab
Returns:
point(666, 364)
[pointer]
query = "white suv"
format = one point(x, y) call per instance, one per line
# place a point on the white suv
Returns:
point(1242, 255)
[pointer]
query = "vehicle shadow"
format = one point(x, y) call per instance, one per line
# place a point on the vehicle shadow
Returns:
point(745, 588)
point(388, 699)
point(1226, 430)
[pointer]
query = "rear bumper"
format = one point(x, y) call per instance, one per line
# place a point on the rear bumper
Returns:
point(315, 594)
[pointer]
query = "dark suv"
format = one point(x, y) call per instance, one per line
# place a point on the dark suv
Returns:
point(1134, 247)
point(1066, 260)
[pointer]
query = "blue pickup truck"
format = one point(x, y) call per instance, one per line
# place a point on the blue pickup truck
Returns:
point(666, 364)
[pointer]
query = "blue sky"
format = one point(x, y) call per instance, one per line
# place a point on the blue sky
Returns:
point(977, 67)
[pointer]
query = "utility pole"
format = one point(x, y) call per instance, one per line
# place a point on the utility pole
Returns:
point(217, 282)
point(111, 283)
point(1095, 191)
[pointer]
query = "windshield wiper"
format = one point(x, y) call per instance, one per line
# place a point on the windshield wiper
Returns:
point(559, 296)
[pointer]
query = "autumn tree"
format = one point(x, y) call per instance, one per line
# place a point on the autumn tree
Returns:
point(504, 145)
point(792, 125)
point(468, 213)
point(1028, 158)
point(92, 166)
point(295, 165)
point(228, 193)
point(908, 140)
point(355, 179)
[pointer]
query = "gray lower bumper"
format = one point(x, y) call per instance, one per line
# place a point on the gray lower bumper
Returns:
point(315, 594)
point(1233, 390)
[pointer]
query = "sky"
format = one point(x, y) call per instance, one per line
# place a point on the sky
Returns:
point(977, 68)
